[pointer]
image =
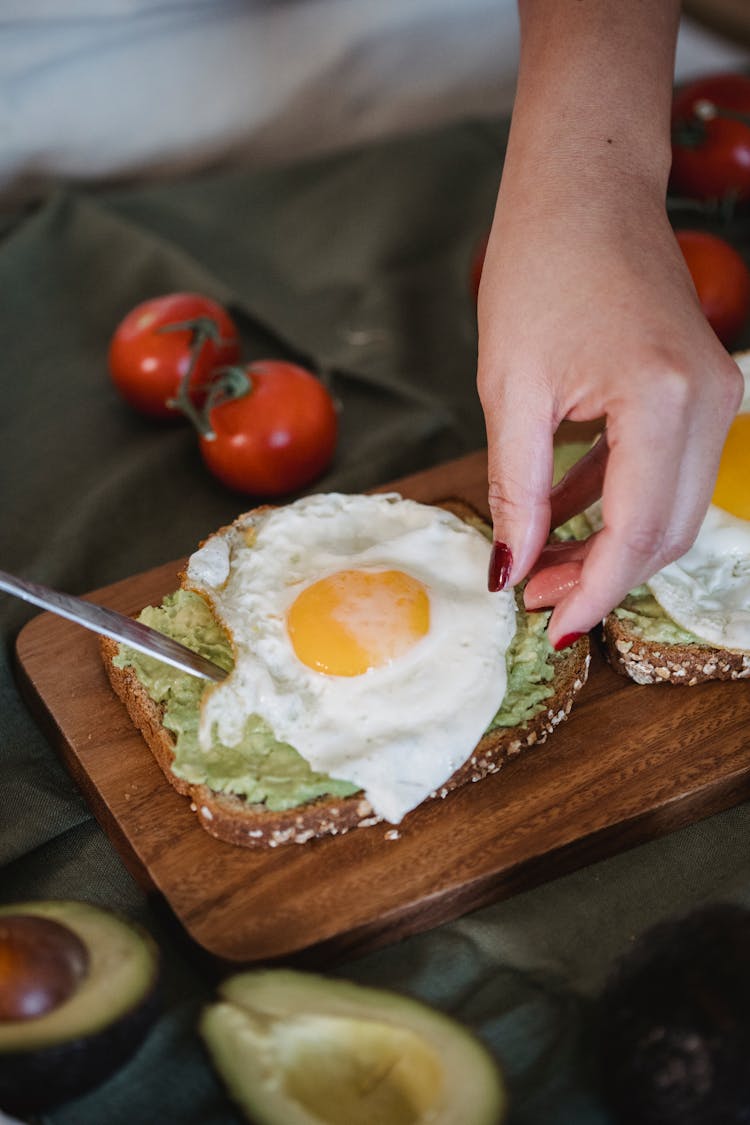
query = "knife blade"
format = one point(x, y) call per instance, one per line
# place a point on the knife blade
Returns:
point(110, 623)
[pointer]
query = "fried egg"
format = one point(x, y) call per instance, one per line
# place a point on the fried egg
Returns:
point(707, 590)
point(363, 634)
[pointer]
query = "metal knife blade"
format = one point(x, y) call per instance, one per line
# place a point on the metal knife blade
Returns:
point(110, 623)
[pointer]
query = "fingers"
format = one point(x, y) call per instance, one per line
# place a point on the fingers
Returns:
point(640, 532)
point(570, 550)
point(695, 436)
point(551, 584)
point(519, 477)
point(555, 573)
point(557, 570)
point(708, 427)
point(581, 485)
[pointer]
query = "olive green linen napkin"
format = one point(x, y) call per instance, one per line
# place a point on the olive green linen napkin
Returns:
point(357, 264)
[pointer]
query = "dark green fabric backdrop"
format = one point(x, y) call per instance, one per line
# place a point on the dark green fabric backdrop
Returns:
point(357, 264)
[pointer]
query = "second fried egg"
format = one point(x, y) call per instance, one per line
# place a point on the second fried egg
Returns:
point(707, 590)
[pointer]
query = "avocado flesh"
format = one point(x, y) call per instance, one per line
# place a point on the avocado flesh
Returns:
point(299, 1049)
point(122, 966)
point(259, 768)
point(49, 1059)
point(647, 619)
point(531, 670)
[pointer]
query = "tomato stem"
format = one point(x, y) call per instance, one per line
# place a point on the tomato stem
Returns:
point(203, 328)
point(206, 325)
point(227, 383)
point(720, 207)
point(692, 133)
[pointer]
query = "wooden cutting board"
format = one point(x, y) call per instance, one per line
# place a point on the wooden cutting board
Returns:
point(630, 764)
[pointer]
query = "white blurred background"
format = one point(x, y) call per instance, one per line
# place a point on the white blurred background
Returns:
point(122, 88)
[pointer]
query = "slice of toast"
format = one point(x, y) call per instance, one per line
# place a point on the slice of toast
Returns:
point(684, 662)
point(631, 644)
point(237, 821)
point(667, 653)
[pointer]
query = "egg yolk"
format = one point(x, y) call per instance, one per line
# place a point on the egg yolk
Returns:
point(732, 491)
point(355, 620)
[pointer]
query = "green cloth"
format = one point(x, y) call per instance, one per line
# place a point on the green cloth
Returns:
point(358, 264)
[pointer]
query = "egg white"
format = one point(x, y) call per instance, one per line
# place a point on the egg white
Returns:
point(707, 590)
point(398, 731)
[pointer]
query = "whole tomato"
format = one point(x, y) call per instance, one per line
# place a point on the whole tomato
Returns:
point(272, 428)
point(721, 279)
point(153, 346)
point(711, 138)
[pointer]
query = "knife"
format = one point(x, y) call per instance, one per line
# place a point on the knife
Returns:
point(112, 624)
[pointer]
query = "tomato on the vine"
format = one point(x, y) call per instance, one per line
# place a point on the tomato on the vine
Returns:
point(711, 138)
point(721, 279)
point(271, 429)
point(153, 346)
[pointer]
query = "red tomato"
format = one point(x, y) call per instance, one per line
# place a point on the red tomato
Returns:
point(147, 358)
point(711, 154)
point(721, 279)
point(275, 438)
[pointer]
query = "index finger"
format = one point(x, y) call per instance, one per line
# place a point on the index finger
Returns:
point(519, 462)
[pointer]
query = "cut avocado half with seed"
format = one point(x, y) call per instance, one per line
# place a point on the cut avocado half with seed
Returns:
point(78, 992)
point(294, 1048)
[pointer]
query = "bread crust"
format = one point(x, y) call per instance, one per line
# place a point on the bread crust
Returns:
point(653, 662)
point(236, 821)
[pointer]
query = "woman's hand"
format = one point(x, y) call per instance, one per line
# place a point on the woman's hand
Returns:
point(587, 310)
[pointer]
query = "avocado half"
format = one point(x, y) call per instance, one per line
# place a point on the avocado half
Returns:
point(78, 992)
point(294, 1048)
point(673, 1028)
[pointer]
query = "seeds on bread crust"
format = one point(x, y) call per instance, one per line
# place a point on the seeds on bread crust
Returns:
point(236, 821)
point(653, 662)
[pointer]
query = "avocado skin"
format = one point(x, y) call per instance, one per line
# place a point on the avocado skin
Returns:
point(674, 1023)
point(34, 1081)
point(57, 1056)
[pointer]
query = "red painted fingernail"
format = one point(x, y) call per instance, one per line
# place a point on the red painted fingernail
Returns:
point(567, 640)
point(501, 561)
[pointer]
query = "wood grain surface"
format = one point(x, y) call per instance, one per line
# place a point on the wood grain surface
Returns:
point(630, 764)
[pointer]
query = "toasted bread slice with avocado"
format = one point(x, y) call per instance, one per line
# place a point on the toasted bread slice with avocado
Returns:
point(268, 795)
point(640, 639)
point(642, 642)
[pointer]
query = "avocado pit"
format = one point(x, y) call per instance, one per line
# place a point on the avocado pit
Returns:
point(41, 964)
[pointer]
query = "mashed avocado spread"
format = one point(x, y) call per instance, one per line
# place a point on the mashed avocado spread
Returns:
point(259, 768)
point(647, 619)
